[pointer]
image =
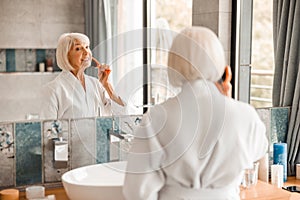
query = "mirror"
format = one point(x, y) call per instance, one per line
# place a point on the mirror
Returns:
point(42, 23)
point(29, 33)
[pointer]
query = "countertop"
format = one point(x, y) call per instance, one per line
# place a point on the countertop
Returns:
point(266, 191)
point(262, 191)
point(59, 193)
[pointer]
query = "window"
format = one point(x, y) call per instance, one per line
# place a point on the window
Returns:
point(140, 71)
point(165, 15)
point(262, 54)
point(255, 50)
point(130, 63)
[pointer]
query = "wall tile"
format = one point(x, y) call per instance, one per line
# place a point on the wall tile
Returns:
point(28, 153)
point(62, 12)
point(103, 125)
point(210, 20)
point(216, 15)
point(225, 6)
point(50, 55)
point(30, 58)
point(83, 142)
point(265, 116)
point(49, 36)
point(7, 151)
point(53, 174)
point(36, 21)
point(40, 55)
point(224, 33)
point(115, 142)
point(276, 121)
point(25, 60)
point(23, 98)
point(10, 60)
point(9, 14)
point(127, 124)
point(29, 160)
point(227, 57)
point(10, 38)
point(204, 6)
point(20, 60)
point(279, 124)
point(2, 60)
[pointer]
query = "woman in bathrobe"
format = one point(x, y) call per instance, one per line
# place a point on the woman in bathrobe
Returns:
point(73, 94)
point(197, 144)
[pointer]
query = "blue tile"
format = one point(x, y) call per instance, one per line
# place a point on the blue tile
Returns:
point(28, 153)
point(103, 125)
point(40, 55)
point(10, 60)
point(279, 124)
point(117, 124)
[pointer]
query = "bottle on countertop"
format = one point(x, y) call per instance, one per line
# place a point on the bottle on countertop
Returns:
point(49, 65)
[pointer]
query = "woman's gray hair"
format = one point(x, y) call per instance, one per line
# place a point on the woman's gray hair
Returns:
point(65, 43)
point(196, 53)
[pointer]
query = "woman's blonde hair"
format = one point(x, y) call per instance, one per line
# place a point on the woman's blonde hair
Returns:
point(65, 43)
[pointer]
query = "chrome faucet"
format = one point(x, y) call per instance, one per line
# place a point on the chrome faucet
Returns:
point(120, 141)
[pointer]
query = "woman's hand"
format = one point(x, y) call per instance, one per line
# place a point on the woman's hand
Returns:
point(225, 87)
point(103, 72)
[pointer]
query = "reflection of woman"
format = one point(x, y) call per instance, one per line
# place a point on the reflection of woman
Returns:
point(73, 94)
point(197, 144)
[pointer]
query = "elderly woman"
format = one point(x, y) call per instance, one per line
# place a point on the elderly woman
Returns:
point(197, 144)
point(73, 94)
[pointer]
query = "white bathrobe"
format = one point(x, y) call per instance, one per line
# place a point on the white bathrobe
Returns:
point(64, 98)
point(194, 146)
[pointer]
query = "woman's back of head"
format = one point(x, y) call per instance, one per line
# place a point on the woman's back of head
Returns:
point(196, 53)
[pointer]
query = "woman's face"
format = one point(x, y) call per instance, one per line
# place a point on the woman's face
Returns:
point(80, 55)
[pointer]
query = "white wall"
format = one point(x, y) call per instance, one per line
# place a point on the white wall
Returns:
point(19, 94)
point(38, 23)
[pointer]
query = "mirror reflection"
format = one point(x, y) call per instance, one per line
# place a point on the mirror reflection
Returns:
point(28, 60)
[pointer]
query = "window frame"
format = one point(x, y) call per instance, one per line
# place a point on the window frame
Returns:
point(242, 14)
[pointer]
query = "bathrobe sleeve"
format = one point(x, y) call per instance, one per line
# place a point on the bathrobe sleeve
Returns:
point(252, 143)
point(49, 103)
point(144, 178)
point(256, 141)
point(105, 106)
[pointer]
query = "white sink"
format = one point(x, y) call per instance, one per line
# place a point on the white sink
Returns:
point(95, 182)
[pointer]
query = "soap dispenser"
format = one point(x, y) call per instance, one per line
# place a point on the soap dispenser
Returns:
point(60, 153)
point(60, 146)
